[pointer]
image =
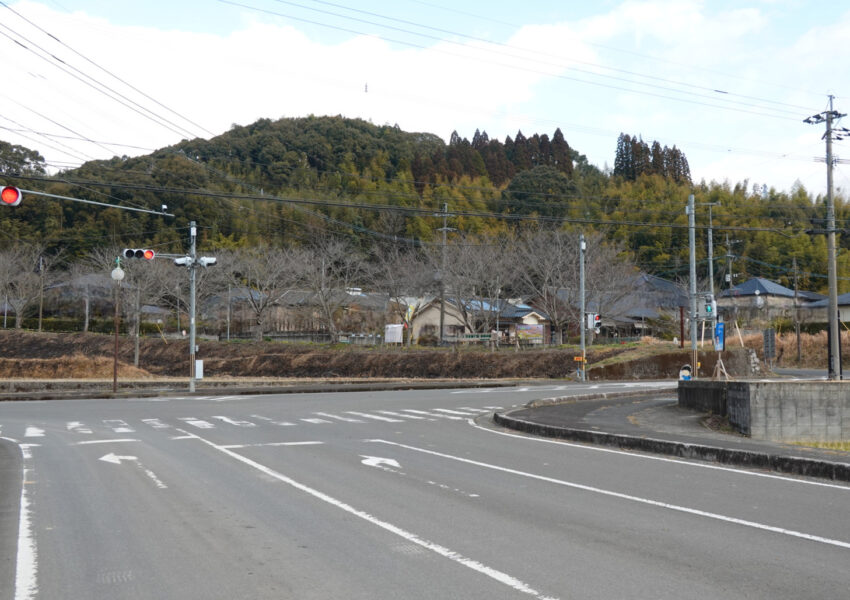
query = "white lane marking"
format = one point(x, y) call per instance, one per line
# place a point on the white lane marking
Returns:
point(34, 432)
point(115, 441)
point(315, 421)
point(118, 426)
point(25, 449)
point(374, 417)
point(414, 417)
point(427, 414)
point(236, 422)
point(676, 461)
point(77, 427)
point(156, 423)
point(26, 570)
point(472, 409)
point(199, 423)
point(237, 446)
point(273, 422)
point(493, 407)
point(479, 567)
point(629, 497)
point(339, 418)
point(452, 412)
point(225, 398)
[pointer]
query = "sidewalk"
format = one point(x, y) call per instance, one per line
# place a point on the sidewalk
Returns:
point(655, 423)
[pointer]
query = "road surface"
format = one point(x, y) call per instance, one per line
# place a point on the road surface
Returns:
point(406, 494)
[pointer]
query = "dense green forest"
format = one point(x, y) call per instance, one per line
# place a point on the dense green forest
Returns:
point(281, 182)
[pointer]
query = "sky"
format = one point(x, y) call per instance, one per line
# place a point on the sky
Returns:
point(727, 82)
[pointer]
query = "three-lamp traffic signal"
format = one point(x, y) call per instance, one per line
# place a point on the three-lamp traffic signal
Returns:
point(11, 196)
point(145, 253)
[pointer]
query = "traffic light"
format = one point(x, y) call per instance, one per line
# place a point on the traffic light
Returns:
point(709, 306)
point(11, 196)
point(594, 321)
point(145, 253)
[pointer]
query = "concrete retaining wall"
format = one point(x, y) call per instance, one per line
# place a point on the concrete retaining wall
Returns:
point(703, 396)
point(785, 411)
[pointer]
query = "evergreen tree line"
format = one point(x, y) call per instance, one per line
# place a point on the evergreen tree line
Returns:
point(635, 157)
point(379, 186)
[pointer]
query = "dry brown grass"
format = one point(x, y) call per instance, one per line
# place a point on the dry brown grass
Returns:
point(76, 366)
point(813, 348)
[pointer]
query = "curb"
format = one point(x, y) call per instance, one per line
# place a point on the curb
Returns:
point(307, 388)
point(793, 465)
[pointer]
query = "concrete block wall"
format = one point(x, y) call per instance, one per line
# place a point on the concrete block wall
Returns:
point(704, 396)
point(787, 411)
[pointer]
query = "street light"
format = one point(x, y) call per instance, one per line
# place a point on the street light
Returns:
point(117, 277)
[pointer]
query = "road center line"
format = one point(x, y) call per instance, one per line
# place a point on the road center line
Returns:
point(495, 574)
point(637, 499)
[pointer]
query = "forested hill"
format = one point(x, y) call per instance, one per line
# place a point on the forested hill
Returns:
point(281, 182)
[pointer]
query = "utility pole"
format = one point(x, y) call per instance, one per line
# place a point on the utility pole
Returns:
point(693, 283)
point(445, 229)
point(710, 247)
point(797, 313)
point(583, 319)
point(834, 353)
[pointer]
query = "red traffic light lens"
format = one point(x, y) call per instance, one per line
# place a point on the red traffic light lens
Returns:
point(148, 254)
point(11, 196)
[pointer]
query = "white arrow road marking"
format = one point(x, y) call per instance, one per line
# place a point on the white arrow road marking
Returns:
point(496, 575)
point(34, 432)
point(377, 461)
point(155, 423)
point(77, 427)
point(116, 460)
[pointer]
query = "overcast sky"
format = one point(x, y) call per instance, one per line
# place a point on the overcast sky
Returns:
point(728, 82)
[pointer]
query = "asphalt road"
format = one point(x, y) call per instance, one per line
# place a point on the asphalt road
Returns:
point(386, 495)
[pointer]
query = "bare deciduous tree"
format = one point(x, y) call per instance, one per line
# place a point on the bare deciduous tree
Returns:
point(406, 277)
point(24, 269)
point(328, 269)
point(265, 274)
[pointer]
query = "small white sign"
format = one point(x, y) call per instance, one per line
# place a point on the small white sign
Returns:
point(199, 369)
